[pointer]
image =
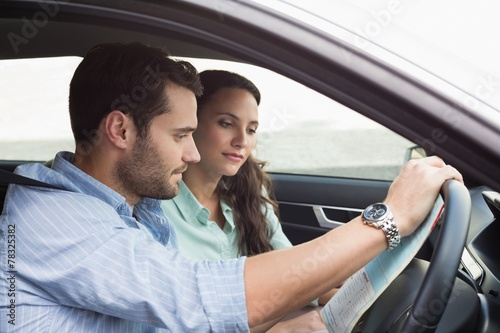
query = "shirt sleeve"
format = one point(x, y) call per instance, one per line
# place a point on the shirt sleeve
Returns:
point(76, 251)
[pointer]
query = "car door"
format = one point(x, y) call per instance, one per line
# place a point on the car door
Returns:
point(327, 161)
point(312, 205)
point(327, 164)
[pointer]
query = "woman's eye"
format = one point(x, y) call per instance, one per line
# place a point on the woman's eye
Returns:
point(252, 130)
point(224, 123)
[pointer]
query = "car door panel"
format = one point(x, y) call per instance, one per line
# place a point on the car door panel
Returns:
point(312, 205)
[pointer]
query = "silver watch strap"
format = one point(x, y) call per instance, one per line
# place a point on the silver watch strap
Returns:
point(391, 233)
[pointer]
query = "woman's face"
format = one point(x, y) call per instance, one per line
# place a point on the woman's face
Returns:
point(226, 130)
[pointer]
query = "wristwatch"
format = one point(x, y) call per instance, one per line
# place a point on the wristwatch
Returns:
point(379, 216)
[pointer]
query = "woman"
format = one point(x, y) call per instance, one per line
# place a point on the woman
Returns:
point(224, 208)
point(228, 187)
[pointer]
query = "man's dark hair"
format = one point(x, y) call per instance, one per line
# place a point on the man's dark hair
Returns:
point(128, 77)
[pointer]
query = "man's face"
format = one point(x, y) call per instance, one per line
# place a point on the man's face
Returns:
point(154, 167)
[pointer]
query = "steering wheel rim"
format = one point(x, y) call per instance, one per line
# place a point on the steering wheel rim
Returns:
point(436, 287)
point(420, 311)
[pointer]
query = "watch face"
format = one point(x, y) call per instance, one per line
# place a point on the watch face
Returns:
point(375, 212)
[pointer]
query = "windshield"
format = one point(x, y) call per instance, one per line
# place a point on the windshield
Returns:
point(455, 40)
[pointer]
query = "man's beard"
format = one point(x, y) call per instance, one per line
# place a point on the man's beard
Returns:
point(145, 173)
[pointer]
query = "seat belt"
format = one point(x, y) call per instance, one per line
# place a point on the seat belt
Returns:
point(7, 177)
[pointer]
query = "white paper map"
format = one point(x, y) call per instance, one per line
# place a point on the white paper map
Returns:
point(358, 293)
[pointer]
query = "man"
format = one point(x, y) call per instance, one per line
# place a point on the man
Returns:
point(99, 256)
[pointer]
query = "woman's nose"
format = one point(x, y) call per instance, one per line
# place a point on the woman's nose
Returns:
point(241, 139)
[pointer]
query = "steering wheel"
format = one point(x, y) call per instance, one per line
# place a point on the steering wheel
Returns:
point(434, 293)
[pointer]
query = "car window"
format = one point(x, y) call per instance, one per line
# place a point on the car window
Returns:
point(456, 52)
point(34, 119)
point(303, 132)
point(300, 130)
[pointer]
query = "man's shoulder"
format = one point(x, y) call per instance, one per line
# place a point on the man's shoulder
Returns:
point(48, 204)
point(43, 173)
point(35, 171)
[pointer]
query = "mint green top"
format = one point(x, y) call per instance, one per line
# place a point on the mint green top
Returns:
point(199, 238)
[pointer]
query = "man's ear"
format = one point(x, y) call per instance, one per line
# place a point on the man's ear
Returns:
point(119, 129)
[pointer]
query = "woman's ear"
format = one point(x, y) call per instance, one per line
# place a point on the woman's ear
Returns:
point(119, 129)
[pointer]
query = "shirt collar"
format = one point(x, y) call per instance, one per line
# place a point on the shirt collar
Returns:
point(188, 205)
point(192, 210)
point(228, 213)
point(84, 183)
point(147, 210)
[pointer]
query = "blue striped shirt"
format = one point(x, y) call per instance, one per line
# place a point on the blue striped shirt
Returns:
point(77, 261)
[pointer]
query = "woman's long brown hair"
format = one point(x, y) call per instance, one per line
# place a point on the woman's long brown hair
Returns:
point(249, 193)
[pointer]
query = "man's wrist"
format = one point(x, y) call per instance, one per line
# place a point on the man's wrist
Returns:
point(380, 216)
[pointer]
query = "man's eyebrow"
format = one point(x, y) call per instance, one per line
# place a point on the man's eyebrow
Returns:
point(185, 129)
